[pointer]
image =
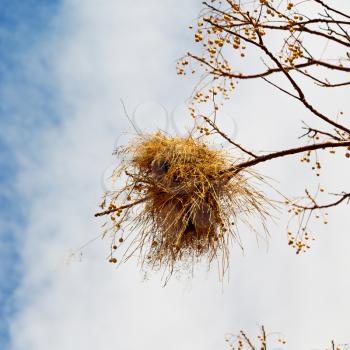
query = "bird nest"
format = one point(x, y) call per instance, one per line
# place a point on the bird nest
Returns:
point(178, 203)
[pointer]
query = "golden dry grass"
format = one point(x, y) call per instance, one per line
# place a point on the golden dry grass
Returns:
point(177, 204)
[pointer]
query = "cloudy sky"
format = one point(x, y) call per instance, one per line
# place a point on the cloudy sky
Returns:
point(64, 66)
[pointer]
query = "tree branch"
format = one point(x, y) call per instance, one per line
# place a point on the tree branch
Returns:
point(325, 206)
point(235, 168)
point(109, 211)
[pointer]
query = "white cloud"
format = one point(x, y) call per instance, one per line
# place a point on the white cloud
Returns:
point(102, 52)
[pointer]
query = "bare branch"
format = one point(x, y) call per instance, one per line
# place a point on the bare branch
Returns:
point(287, 152)
point(214, 126)
point(325, 206)
point(113, 210)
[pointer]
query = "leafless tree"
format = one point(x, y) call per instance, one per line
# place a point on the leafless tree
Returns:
point(266, 341)
point(286, 38)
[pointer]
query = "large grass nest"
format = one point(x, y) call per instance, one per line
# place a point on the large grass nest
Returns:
point(177, 203)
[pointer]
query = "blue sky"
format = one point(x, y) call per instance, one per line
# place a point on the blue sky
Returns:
point(22, 25)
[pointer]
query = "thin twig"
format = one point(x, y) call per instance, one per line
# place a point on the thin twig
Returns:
point(109, 211)
point(221, 133)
